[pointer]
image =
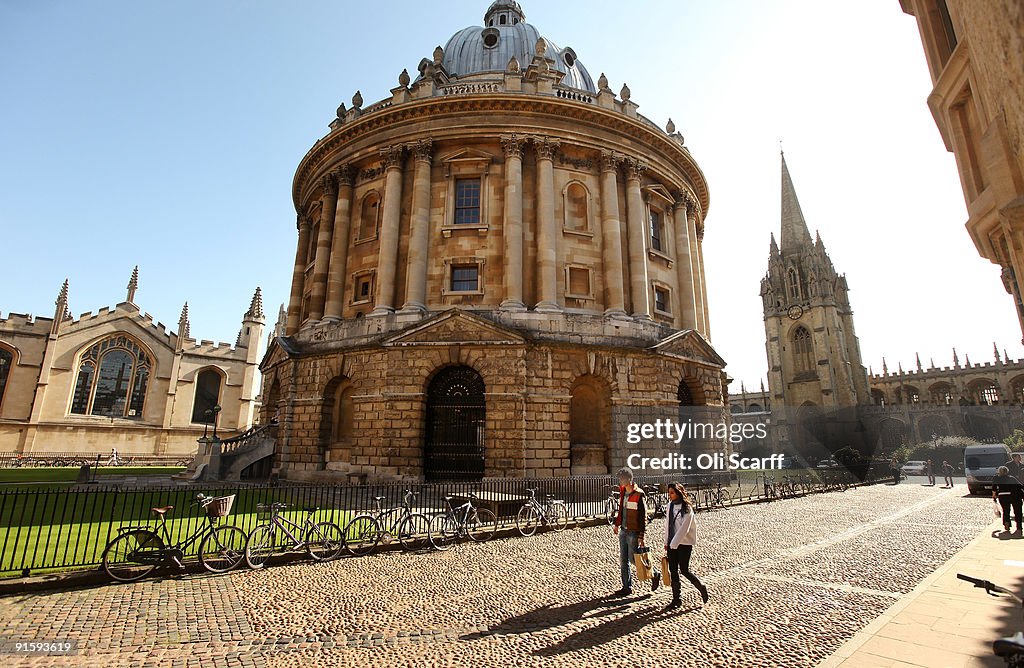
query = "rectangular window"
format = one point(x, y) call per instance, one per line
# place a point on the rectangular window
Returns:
point(579, 282)
point(364, 289)
point(467, 201)
point(465, 278)
point(656, 230)
point(661, 300)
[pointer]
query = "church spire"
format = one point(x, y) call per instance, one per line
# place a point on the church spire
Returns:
point(183, 324)
point(133, 285)
point(255, 311)
point(794, 227)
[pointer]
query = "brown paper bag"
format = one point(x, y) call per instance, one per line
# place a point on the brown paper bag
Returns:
point(643, 565)
point(666, 579)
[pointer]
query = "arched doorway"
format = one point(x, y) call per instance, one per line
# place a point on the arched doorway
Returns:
point(456, 415)
point(336, 419)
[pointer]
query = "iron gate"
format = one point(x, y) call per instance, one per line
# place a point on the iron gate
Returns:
point(456, 413)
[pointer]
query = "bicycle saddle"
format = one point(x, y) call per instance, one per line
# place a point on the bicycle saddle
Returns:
point(448, 498)
point(379, 498)
point(163, 510)
point(312, 509)
point(1012, 646)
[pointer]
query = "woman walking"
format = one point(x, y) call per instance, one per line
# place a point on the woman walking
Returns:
point(680, 537)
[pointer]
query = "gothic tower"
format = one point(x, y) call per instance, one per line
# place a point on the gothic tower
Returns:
point(814, 361)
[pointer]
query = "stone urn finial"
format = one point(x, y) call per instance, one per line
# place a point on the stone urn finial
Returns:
point(625, 93)
point(403, 78)
point(341, 110)
point(438, 55)
point(670, 127)
point(602, 82)
point(357, 100)
point(513, 65)
point(541, 47)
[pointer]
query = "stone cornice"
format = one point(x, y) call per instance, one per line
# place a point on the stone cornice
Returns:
point(324, 152)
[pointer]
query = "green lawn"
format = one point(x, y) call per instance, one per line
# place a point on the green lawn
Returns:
point(70, 473)
point(51, 527)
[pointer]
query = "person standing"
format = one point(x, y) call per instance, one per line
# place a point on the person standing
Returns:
point(947, 473)
point(929, 469)
point(1015, 466)
point(680, 537)
point(1007, 490)
point(630, 525)
point(894, 466)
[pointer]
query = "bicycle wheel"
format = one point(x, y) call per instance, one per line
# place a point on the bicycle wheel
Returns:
point(325, 541)
point(260, 546)
point(481, 525)
point(527, 520)
point(222, 549)
point(558, 516)
point(362, 534)
point(611, 509)
point(389, 521)
point(414, 532)
point(124, 558)
point(443, 530)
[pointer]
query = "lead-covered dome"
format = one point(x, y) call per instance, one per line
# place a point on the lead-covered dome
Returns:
point(505, 33)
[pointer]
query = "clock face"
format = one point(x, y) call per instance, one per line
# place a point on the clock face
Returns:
point(795, 312)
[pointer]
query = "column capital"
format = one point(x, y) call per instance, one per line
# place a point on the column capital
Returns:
point(634, 167)
point(700, 231)
point(302, 221)
point(682, 199)
point(423, 150)
point(546, 147)
point(513, 145)
point(393, 156)
point(609, 161)
point(344, 175)
point(329, 184)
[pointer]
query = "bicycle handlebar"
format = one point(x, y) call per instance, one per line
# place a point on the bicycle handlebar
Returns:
point(991, 588)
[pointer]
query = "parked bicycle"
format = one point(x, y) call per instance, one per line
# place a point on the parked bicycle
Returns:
point(322, 541)
point(611, 504)
point(1010, 649)
point(479, 524)
point(137, 550)
point(409, 528)
point(549, 512)
point(658, 500)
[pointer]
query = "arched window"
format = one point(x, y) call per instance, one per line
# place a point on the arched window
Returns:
point(368, 215)
point(207, 396)
point(803, 350)
point(576, 208)
point(794, 283)
point(6, 362)
point(113, 376)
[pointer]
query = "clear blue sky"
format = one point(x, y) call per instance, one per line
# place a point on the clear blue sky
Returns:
point(166, 135)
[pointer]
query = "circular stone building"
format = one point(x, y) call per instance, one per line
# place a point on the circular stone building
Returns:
point(498, 267)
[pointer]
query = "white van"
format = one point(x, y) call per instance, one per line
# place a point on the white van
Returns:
point(981, 463)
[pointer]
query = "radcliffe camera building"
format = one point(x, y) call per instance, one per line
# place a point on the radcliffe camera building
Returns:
point(494, 266)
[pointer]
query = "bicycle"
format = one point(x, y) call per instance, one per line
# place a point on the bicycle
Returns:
point(550, 512)
point(611, 504)
point(659, 500)
point(715, 497)
point(322, 541)
point(365, 531)
point(1010, 649)
point(465, 520)
point(137, 550)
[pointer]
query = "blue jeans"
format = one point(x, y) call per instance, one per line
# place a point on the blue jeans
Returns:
point(628, 542)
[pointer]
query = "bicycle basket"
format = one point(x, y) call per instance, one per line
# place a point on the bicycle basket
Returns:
point(220, 506)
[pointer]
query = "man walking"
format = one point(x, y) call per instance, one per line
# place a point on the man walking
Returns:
point(947, 473)
point(630, 524)
point(1015, 467)
point(929, 469)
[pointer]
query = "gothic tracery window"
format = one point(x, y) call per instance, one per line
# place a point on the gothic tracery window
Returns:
point(113, 375)
point(803, 350)
point(207, 395)
point(794, 283)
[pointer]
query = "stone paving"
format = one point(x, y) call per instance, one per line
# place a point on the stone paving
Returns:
point(791, 581)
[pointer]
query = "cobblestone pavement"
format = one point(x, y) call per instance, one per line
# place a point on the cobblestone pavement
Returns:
point(790, 582)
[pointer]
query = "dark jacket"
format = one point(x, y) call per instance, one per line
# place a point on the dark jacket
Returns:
point(1015, 469)
point(1007, 486)
point(632, 514)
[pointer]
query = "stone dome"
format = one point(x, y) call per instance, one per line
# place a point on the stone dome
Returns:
point(505, 33)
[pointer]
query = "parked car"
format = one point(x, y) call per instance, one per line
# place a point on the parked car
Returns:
point(981, 463)
point(828, 464)
point(914, 467)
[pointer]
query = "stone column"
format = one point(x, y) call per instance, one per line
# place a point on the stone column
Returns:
point(705, 311)
point(339, 250)
point(637, 237)
point(695, 268)
point(387, 259)
point(321, 262)
point(611, 238)
point(513, 225)
point(419, 230)
point(547, 230)
point(684, 269)
point(298, 277)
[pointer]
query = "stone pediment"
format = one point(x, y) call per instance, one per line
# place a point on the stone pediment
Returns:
point(279, 349)
point(455, 327)
point(690, 345)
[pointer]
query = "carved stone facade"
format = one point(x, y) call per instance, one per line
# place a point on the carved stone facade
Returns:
point(117, 379)
point(975, 54)
point(516, 201)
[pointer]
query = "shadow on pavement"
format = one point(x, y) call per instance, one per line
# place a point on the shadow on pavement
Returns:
point(612, 629)
point(548, 616)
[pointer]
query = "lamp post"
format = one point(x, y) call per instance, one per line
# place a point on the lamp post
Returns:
point(216, 412)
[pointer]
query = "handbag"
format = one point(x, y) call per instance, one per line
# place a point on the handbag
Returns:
point(642, 557)
point(666, 578)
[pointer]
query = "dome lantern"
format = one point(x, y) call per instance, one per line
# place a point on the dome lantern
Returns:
point(504, 12)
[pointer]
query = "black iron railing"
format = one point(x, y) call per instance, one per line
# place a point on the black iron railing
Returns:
point(68, 527)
